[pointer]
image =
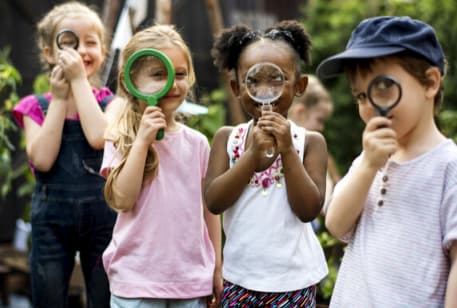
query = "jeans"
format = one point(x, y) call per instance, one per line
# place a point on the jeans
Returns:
point(69, 214)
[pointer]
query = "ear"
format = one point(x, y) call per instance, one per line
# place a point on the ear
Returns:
point(235, 87)
point(48, 55)
point(434, 82)
point(301, 84)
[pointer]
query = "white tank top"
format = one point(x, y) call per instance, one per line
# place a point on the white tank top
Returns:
point(267, 247)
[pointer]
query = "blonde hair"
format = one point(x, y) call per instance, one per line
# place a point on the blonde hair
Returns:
point(123, 131)
point(314, 94)
point(47, 26)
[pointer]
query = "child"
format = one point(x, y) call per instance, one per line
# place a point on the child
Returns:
point(271, 254)
point(397, 206)
point(64, 141)
point(311, 110)
point(165, 250)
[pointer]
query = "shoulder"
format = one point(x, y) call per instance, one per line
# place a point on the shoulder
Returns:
point(193, 136)
point(29, 106)
point(315, 140)
point(222, 134)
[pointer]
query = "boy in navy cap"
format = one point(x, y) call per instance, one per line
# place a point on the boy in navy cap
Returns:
point(397, 205)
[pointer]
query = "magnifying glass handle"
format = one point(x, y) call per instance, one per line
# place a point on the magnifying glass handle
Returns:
point(160, 134)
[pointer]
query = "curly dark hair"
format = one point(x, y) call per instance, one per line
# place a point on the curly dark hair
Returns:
point(232, 41)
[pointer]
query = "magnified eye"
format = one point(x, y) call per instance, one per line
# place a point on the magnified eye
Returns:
point(157, 74)
point(251, 81)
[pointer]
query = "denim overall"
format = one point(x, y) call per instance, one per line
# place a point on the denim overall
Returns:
point(69, 214)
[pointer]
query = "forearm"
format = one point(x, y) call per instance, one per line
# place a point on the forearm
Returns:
point(451, 291)
point(129, 182)
point(303, 194)
point(93, 120)
point(213, 222)
point(223, 191)
point(348, 201)
point(43, 142)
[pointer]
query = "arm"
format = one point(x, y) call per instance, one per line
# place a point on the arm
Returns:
point(305, 181)
point(451, 294)
point(128, 184)
point(213, 223)
point(43, 142)
point(348, 200)
point(224, 185)
point(93, 120)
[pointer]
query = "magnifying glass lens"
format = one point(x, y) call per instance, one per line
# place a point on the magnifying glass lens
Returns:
point(385, 92)
point(67, 38)
point(149, 75)
point(264, 82)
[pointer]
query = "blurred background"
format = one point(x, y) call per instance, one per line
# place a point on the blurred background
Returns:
point(329, 22)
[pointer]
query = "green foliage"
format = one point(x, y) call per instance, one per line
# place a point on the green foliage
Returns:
point(41, 84)
point(9, 78)
point(210, 122)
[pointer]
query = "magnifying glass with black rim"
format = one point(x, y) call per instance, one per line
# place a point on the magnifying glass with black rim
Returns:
point(67, 38)
point(384, 93)
point(149, 75)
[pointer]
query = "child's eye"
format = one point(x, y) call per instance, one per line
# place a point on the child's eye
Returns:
point(361, 98)
point(181, 75)
point(157, 75)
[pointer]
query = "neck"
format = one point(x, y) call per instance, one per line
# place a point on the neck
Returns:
point(419, 141)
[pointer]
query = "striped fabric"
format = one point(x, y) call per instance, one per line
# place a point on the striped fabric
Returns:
point(397, 255)
point(236, 296)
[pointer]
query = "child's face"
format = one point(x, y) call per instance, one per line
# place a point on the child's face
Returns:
point(90, 47)
point(277, 53)
point(415, 104)
point(152, 77)
point(316, 116)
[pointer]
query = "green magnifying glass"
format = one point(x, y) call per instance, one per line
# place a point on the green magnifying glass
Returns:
point(149, 75)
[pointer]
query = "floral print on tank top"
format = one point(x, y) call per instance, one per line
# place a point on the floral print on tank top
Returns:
point(266, 178)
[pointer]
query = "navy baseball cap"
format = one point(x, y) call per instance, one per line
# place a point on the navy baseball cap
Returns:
point(386, 35)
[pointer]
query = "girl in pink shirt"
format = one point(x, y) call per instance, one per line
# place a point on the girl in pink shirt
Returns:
point(166, 245)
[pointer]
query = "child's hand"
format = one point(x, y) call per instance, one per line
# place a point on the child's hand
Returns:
point(262, 142)
point(274, 124)
point(379, 142)
point(152, 120)
point(72, 64)
point(60, 87)
point(214, 300)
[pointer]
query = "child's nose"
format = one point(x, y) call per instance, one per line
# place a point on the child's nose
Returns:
point(81, 48)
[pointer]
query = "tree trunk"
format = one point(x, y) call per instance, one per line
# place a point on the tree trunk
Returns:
point(163, 12)
point(236, 114)
point(110, 12)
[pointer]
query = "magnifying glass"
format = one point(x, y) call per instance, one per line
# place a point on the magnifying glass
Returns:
point(149, 75)
point(67, 38)
point(265, 84)
point(384, 93)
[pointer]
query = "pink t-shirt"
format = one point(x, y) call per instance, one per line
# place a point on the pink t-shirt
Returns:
point(29, 106)
point(161, 248)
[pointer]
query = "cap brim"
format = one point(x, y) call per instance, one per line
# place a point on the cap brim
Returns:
point(333, 66)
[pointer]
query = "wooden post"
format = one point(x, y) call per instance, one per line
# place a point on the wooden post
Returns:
point(163, 12)
point(236, 114)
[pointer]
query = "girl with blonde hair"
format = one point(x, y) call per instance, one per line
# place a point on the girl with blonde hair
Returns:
point(165, 250)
